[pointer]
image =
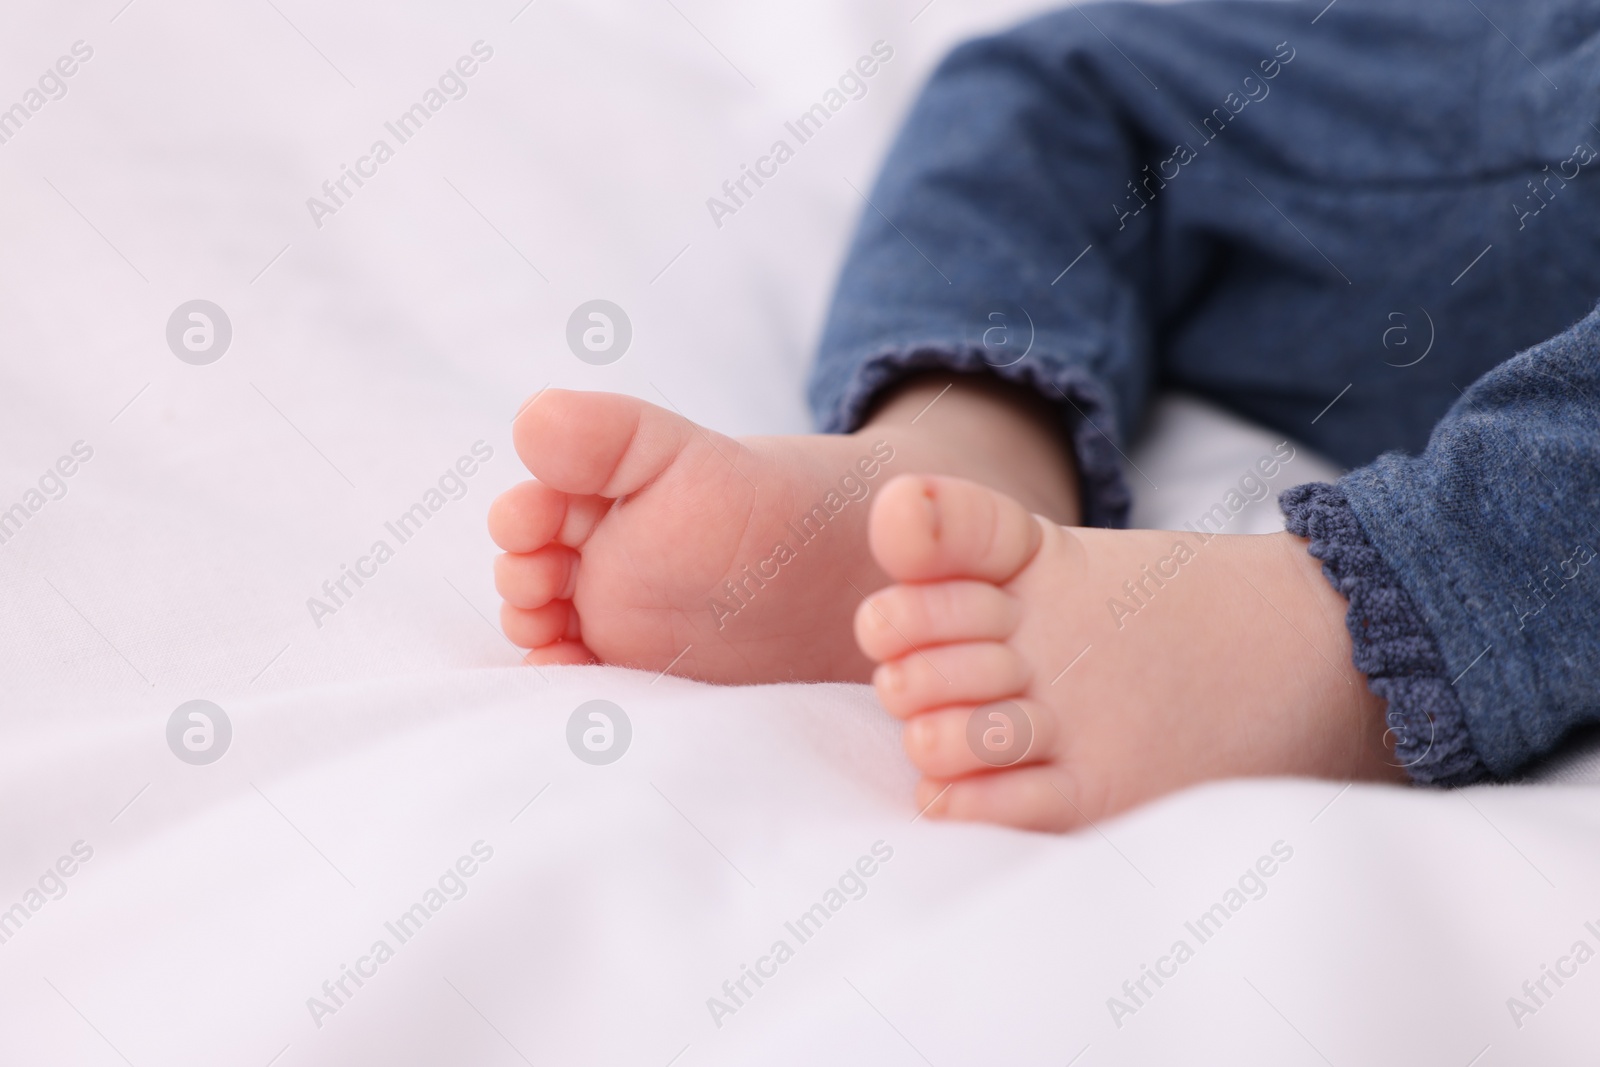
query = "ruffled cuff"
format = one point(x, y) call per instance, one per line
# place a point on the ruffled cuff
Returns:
point(1084, 402)
point(1392, 645)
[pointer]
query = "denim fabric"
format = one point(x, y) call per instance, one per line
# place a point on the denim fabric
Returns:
point(1493, 531)
point(1390, 644)
point(1331, 220)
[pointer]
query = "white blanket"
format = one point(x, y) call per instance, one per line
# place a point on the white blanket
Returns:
point(390, 776)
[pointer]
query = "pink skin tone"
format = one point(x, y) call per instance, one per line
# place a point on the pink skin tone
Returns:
point(974, 594)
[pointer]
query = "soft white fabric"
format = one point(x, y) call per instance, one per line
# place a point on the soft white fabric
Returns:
point(373, 751)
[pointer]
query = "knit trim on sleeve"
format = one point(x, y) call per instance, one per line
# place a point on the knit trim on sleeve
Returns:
point(1393, 646)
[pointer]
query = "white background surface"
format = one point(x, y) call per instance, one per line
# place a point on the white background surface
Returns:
point(370, 753)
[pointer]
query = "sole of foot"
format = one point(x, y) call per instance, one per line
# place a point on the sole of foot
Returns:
point(648, 541)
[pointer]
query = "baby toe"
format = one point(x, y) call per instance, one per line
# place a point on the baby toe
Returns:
point(893, 621)
point(536, 627)
point(534, 579)
point(603, 444)
point(957, 741)
point(530, 515)
point(925, 528)
point(972, 673)
point(560, 653)
point(1027, 798)
point(527, 516)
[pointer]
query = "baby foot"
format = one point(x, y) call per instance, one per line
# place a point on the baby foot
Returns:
point(1050, 677)
point(648, 541)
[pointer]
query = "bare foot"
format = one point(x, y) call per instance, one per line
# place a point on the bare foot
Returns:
point(1050, 677)
point(650, 542)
